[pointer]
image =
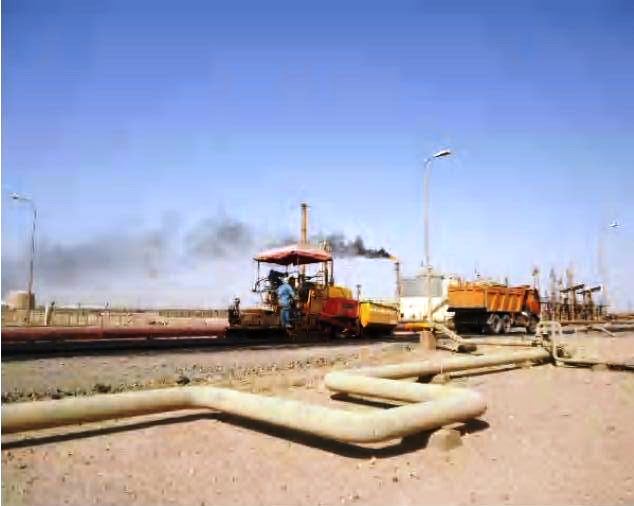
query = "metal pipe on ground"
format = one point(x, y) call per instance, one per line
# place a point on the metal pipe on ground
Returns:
point(453, 336)
point(25, 334)
point(579, 362)
point(601, 328)
point(553, 332)
point(348, 426)
point(413, 326)
point(619, 328)
point(432, 406)
point(457, 347)
point(451, 364)
point(502, 341)
point(485, 341)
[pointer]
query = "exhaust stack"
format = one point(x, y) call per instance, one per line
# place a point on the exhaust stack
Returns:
point(397, 272)
point(303, 240)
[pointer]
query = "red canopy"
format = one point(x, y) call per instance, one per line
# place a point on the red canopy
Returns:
point(294, 255)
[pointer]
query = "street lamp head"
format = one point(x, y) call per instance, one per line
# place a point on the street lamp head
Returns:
point(21, 198)
point(444, 152)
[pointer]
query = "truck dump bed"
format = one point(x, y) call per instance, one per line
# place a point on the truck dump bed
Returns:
point(493, 298)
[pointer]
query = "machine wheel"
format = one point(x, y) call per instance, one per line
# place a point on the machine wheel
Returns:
point(506, 324)
point(532, 325)
point(494, 324)
point(460, 329)
point(327, 331)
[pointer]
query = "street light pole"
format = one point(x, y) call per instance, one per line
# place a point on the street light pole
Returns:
point(426, 179)
point(603, 271)
point(22, 198)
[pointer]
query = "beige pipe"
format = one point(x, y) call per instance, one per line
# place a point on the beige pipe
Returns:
point(532, 341)
point(431, 406)
point(428, 410)
point(555, 335)
point(20, 416)
point(501, 342)
point(451, 364)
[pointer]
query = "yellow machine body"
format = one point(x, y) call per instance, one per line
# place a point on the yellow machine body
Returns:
point(377, 316)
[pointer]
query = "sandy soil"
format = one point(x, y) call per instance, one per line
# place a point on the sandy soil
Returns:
point(550, 436)
point(54, 377)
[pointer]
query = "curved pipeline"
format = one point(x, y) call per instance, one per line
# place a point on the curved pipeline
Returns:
point(429, 406)
point(553, 332)
point(424, 413)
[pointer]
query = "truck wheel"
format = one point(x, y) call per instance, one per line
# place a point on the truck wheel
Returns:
point(495, 324)
point(506, 324)
point(532, 325)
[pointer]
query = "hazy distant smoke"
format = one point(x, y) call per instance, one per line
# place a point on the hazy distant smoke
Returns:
point(11, 279)
point(212, 238)
point(283, 241)
point(125, 255)
point(108, 255)
point(115, 261)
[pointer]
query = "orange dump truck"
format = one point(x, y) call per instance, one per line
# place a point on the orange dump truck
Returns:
point(493, 308)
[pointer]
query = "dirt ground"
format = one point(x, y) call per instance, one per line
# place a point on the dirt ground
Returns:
point(56, 376)
point(550, 435)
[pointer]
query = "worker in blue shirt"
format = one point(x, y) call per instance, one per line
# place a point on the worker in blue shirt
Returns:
point(285, 298)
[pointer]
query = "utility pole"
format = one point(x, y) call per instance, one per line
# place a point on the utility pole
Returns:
point(426, 177)
point(21, 198)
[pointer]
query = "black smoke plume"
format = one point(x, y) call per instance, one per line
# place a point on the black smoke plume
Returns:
point(343, 247)
point(338, 244)
point(146, 254)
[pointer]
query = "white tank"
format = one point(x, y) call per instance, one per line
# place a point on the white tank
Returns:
point(414, 297)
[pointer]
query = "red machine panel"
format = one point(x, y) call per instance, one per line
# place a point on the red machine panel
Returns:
point(339, 307)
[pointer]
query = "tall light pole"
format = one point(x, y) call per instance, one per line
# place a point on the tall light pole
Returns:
point(601, 264)
point(22, 198)
point(428, 162)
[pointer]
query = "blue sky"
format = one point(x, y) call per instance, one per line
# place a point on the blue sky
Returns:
point(120, 118)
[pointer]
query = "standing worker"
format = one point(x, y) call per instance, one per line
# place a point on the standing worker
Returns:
point(285, 297)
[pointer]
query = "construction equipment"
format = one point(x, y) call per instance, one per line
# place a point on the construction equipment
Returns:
point(320, 307)
point(493, 308)
point(377, 317)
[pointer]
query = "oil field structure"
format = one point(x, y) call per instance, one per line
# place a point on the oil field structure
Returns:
point(444, 328)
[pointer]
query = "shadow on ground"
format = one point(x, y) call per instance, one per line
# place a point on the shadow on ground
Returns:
point(405, 445)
